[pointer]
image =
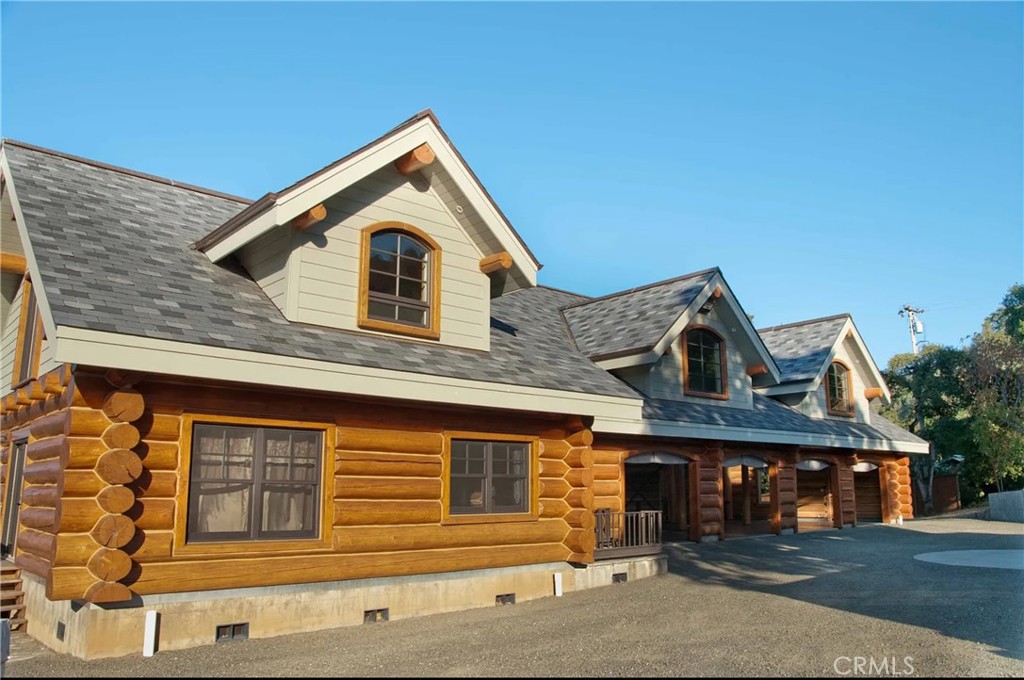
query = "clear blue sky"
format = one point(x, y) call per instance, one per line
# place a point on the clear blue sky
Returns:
point(828, 157)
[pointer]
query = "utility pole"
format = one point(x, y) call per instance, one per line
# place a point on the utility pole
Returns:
point(916, 326)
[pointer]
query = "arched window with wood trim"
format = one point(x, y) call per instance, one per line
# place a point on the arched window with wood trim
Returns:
point(837, 390)
point(704, 367)
point(400, 281)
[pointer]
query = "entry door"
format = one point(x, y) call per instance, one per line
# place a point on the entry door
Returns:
point(12, 497)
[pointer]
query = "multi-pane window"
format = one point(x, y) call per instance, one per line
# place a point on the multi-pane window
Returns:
point(28, 351)
point(254, 483)
point(489, 477)
point(399, 286)
point(704, 368)
point(837, 384)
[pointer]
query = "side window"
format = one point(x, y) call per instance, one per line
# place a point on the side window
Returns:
point(30, 340)
point(704, 369)
point(490, 477)
point(254, 483)
point(837, 386)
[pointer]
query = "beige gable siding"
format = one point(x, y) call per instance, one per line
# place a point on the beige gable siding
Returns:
point(637, 376)
point(666, 378)
point(327, 261)
point(815, 404)
point(46, 360)
point(10, 238)
point(266, 260)
point(459, 207)
point(9, 342)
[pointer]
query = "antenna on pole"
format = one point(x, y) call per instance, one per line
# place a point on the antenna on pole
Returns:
point(916, 325)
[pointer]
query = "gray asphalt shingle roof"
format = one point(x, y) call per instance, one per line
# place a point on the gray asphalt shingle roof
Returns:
point(113, 252)
point(800, 348)
point(769, 414)
point(632, 320)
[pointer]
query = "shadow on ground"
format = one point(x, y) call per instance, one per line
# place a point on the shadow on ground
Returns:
point(870, 570)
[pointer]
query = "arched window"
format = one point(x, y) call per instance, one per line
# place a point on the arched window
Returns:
point(400, 280)
point(704, 373)
point(837, 390)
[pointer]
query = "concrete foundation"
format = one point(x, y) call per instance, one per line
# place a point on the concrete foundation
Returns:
point(91, 631)
point(1007, 506)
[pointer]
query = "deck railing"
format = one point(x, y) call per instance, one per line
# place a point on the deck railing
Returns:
point(627, 534)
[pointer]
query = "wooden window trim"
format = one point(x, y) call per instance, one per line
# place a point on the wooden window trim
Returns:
point(722, 354)
point(246, 547)
point(532, 515)
point(433, 329)
point(37, 341)
point(849, 412)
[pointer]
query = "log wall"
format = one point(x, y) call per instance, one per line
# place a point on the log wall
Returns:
point(108, 513)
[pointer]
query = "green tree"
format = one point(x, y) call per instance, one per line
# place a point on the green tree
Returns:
point(994, 383)
point(1009, 318)
point(928, 400)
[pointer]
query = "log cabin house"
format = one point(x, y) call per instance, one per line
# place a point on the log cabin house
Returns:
point(351, 400)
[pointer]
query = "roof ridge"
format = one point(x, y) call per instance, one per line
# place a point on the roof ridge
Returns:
point(563, 290)
point(125, 171)
point(648, 286)
point(769, 329)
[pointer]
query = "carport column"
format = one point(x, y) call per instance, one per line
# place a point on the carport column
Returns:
point(782, 481)
point(844, 504)
point(891, 480)
point(706, 498)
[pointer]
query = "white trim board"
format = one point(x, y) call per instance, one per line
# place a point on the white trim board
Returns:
point(135, 353)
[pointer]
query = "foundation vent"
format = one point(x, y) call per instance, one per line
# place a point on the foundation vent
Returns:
point(61, 628)
point(232, 631)
point(375, 615)
point(507, 598)
point(620, 577)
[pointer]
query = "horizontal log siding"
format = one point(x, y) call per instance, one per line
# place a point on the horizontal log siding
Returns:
point(386, 486)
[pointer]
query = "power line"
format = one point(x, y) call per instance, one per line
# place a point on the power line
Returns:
point(916, 325)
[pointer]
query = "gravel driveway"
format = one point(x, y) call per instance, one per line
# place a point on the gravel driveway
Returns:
point(792, 605)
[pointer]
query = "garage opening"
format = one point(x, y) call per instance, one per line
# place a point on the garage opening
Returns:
point(658, 481)
point(746, 496)
point(813, 495)
point(867, 490)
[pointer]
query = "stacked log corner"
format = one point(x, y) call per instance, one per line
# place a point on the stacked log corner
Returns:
point(567, 491)
point(898, 497)
point(87, 465)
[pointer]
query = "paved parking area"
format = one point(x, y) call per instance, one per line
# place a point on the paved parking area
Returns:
point(805, 605)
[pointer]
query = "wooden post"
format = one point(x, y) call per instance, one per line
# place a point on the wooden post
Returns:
point(746, 495)
point(837, 497)
point(773, 502)
point(727, 499)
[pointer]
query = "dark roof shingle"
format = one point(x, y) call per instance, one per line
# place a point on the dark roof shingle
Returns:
point(800, 348)
point(635, 319)
point(768, 414)
point(113, 253)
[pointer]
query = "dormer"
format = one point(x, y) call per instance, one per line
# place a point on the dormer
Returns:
point(827, 370)
point(685, 339)
point(398, 238)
